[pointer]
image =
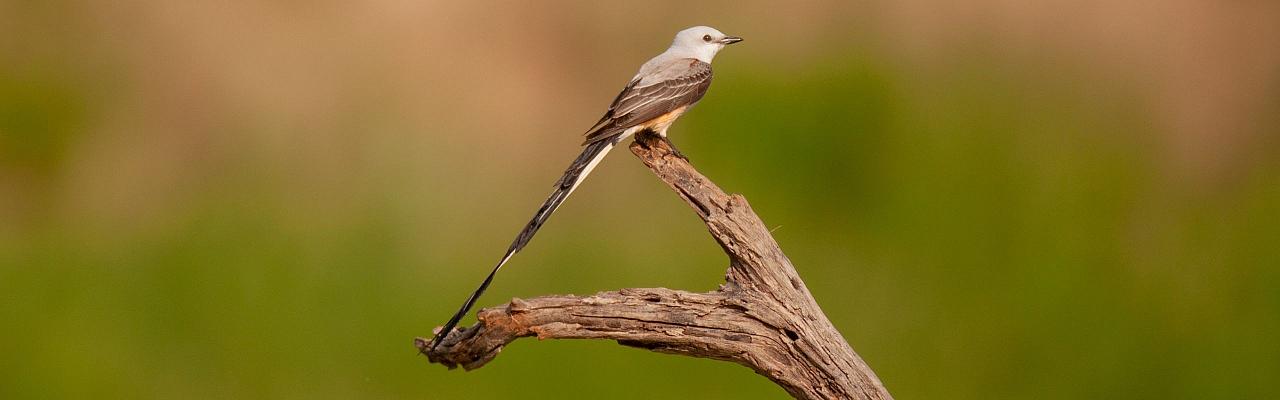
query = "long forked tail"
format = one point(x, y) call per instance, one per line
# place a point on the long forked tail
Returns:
point(573, 176)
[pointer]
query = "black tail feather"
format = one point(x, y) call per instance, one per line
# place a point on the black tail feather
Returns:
point(564, 187)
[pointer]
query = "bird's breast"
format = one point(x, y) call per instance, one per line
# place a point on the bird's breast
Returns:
point(664, 121)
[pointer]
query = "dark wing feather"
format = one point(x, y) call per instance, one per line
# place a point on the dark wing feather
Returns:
point(608, 115)
point(638, 104)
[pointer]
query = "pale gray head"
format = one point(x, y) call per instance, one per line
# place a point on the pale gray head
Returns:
point(700, 42)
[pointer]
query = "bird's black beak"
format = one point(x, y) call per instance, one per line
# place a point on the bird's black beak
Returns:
point(730, 40)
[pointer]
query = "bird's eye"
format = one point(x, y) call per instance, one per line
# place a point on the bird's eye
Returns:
point(706, 38)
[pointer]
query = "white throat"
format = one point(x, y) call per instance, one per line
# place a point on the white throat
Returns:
point(701, 52)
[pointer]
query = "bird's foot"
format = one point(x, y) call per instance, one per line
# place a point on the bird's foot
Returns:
point(650, 140)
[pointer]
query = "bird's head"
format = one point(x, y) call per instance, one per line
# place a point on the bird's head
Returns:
point(701, 42)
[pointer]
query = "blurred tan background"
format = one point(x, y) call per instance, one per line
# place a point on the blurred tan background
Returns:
point(991, 199)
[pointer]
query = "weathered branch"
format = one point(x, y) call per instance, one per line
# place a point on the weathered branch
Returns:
point(763, 317)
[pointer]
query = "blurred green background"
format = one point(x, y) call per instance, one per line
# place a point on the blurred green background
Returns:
point(990, 199)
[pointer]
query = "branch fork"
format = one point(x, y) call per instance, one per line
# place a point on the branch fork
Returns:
point(762, 317)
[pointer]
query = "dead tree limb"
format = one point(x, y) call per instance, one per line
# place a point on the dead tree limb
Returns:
point(762, 317)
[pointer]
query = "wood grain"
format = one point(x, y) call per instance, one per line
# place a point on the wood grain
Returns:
point(762, 317)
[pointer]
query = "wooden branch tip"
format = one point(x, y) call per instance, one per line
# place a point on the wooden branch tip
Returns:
point(763, 317)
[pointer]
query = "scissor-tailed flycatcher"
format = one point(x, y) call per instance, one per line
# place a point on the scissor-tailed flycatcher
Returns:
point(665, 87)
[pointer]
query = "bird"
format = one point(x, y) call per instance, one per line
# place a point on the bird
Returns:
point(662, 90)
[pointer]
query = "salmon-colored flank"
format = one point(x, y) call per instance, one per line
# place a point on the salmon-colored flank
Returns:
point(663, 121)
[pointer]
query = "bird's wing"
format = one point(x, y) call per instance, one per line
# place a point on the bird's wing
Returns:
point(682, 83)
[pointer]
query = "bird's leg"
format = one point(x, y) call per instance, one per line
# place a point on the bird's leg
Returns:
point(648, 138)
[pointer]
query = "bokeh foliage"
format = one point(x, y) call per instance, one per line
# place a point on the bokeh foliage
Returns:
point(189, 212)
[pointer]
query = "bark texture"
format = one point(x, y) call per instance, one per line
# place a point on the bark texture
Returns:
point(762, 317)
